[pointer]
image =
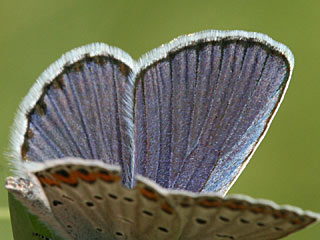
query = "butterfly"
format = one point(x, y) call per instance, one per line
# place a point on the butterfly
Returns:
point(105, 147)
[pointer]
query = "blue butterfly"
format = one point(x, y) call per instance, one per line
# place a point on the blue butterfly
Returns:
point(109, 148)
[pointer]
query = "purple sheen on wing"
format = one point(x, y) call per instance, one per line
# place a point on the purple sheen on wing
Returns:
point(81, 113)
point(219, 98)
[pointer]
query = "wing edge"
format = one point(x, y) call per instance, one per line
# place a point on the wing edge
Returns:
point(20, 123)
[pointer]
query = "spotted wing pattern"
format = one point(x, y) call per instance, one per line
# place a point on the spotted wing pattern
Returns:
point(201, 110)
point(91, 201)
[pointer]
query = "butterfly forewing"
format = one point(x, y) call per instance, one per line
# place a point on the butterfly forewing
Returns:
point(201, 110)
point(82, 112)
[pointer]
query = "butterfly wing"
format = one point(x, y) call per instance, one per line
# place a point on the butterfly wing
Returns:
point(237, 218)
point(202, 105)
point(79, 107)
point(90, 202)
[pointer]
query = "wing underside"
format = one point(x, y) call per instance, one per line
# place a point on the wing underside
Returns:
point(91, 201)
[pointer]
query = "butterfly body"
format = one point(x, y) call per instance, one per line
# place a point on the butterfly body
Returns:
point(180, 123)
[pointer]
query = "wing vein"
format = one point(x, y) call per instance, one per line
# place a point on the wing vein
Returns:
point(193, 101)
point(118, 130)
point(96, 95)
point(160, 120)
point(235, 127)
point(65, 123)
point(81, 114)
point(50, 143)
point(207, 117)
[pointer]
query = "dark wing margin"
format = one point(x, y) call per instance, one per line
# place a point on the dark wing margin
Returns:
point(202, 105)
point(82, 108)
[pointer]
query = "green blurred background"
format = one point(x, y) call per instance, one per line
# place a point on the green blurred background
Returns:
point(286, 166)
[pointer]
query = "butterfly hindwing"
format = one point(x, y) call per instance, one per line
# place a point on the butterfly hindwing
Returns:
point(201, 110)
point(91, 201)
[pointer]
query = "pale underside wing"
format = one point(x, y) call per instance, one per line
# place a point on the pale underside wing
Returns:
point(90, 200)
point(201, 110)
